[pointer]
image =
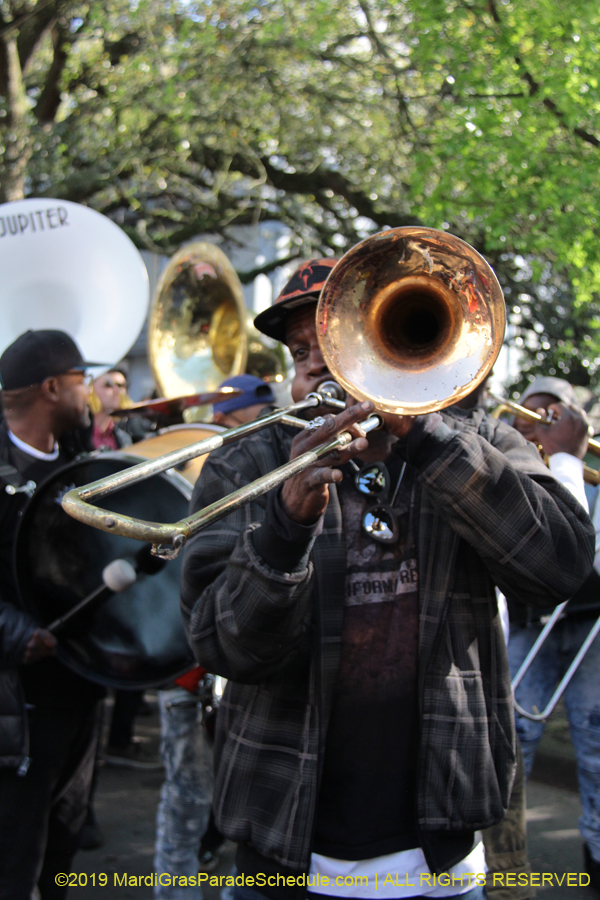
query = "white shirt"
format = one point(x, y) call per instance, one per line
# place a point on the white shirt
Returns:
point(569, 471)
point(397, 875)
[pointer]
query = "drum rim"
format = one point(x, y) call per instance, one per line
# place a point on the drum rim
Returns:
point(185, 426)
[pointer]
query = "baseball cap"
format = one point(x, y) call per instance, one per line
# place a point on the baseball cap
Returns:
point(254, 390)
point(37, 355)
point(558, 387)
point(303, 287)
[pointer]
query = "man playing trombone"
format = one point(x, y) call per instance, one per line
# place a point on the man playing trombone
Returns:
point(366, 732)
point(564, 442)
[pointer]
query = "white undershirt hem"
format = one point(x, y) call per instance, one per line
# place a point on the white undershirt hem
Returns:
point(394, 876)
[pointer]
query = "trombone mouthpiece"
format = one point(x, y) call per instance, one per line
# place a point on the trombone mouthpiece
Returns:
point(331, 390)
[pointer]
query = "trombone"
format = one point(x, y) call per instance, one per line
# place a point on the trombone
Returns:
point(412, 319)
point(168, 539)
point(591, 476)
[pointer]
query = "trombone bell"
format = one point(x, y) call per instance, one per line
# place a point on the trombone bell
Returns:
point(412, 319)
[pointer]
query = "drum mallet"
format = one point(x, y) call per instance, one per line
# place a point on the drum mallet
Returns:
point(117, 576)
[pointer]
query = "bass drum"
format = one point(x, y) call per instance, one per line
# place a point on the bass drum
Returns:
point(175, 438)
point(134, 639)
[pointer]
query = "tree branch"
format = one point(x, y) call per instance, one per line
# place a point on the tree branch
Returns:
point(249, 276)
point(18, 147)
point(535, 87)
point(47, 106)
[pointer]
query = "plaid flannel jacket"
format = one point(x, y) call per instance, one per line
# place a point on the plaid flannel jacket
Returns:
point(490, 514)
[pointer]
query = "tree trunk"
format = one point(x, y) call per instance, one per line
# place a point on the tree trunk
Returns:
point(15, 131)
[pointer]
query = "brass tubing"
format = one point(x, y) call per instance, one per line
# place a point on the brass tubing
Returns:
point(151, 467)
point(273, 479)
point(168, 539)
point(522, 412)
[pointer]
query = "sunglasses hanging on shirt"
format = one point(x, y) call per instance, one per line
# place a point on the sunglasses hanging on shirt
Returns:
point(379, 521)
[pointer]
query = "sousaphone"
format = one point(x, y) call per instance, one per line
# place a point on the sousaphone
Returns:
point(68, 267)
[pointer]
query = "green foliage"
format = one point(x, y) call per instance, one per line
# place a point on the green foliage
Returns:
point(178, 117)
point(555, 334)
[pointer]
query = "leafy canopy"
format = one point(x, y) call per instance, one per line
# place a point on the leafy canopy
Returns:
point(338, 118)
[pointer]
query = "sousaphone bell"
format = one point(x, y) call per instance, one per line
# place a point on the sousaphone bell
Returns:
point(199, 333)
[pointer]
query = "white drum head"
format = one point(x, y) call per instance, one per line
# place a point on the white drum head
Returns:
point(65, 266)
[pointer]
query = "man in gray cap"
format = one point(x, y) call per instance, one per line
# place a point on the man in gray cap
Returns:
point(555, 397)
point(47, 713)
point(564, 442)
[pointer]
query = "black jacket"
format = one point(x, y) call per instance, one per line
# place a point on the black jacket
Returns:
point(16, 625)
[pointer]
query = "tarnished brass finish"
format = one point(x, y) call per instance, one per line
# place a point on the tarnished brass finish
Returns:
point(200, 332)
point(412, 319)
point(590, 475)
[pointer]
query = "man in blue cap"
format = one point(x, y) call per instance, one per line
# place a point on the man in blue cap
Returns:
point(245, 407)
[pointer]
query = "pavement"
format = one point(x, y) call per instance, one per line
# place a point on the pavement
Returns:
point(126, 802)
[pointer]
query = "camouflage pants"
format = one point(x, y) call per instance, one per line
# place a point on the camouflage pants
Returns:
point(186, 795)
point(506, 843)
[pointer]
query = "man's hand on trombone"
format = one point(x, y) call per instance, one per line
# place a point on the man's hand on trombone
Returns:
point(567, 431)
point(304, 497)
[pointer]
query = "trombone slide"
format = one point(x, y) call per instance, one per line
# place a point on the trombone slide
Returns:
point(564, 682)
point(412, 319)
point(168, 539)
